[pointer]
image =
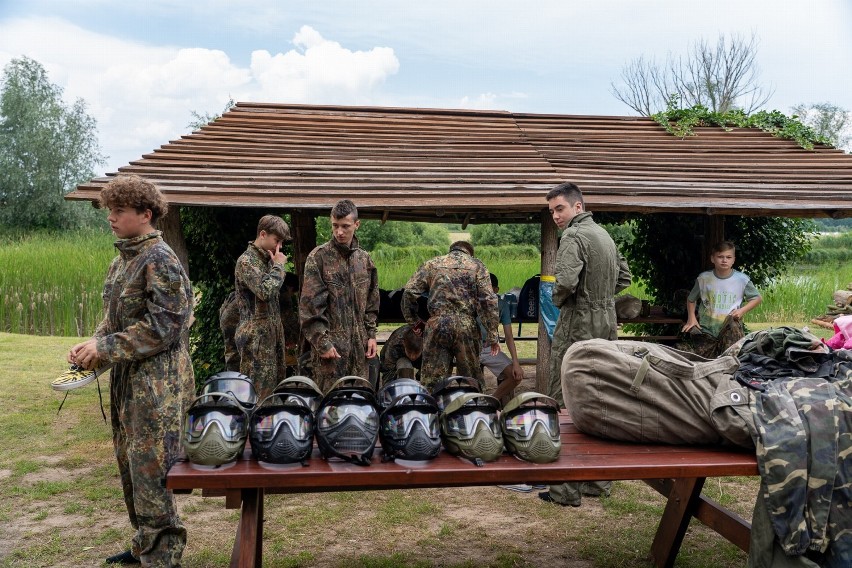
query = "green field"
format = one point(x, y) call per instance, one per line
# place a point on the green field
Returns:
point(51, 284)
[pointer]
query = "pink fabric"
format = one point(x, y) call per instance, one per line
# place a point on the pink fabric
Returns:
point(842, 333)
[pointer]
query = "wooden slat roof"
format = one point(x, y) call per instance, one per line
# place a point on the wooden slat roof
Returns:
point(485, 166)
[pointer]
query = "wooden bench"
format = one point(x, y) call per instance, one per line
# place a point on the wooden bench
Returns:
point(677, 472)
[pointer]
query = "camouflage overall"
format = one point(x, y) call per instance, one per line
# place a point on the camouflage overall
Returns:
point(229, 320)
point(459, 290)
point(148, 305)
point(339, 307)
point(260, 334)
point(589, 273)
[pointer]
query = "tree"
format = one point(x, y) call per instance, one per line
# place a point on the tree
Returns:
point(46, 149)
point(199, 120)
point(720, 77)
point(829, 121)
point(508, 234)
point(373, 233)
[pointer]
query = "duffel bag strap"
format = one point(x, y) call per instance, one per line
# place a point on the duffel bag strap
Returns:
point(644, 367)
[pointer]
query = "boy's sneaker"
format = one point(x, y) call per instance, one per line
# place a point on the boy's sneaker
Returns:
point(519, 487)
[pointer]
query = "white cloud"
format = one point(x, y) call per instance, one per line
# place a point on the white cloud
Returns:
point(142, 95)
point(491, 101)
point(320, 70)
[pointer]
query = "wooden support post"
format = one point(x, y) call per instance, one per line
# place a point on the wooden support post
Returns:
point(248, 546)
point(304, 231)
point(683, 499)
point(173, 235)
point(714, 232)
point(549, 245)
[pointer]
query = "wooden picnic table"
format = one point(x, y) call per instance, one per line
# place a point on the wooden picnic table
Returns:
point(678, 472)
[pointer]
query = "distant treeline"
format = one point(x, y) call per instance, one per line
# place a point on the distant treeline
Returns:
point(830, 249)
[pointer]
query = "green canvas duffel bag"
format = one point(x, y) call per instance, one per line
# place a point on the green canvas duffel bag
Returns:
point(645, 392)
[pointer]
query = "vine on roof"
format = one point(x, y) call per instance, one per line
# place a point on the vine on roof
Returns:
point(681, 121)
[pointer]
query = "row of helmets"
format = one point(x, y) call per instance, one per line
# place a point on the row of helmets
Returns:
point(347, 421)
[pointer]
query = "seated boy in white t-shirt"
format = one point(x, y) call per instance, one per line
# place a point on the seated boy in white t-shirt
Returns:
point(721, 293)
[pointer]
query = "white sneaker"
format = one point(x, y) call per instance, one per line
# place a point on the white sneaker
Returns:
point(520, 487)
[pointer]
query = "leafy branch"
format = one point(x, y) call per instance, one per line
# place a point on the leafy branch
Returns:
point(681, 122)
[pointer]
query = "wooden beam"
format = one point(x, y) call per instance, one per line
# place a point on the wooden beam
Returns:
point(714, 233)
point(385, 216)
point(304, 233)
point(173, 235)
point(466, 220)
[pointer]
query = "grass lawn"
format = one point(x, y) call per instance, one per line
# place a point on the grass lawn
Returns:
point(61, 503)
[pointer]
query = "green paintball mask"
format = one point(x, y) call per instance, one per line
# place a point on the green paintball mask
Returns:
point(215, 429)
point(530, 424)
point(470, 428)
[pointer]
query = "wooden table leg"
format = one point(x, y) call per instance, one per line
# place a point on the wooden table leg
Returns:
point(248, 545)
point(682, 503)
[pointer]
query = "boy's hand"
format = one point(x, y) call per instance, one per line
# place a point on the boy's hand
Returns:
point(371, 348)
point(84, 354)
point(330, 354)
point(691, 323)
point(738, 314)
point(278, 257)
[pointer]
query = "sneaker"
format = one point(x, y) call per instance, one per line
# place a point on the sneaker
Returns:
point(520, 487)
point(125, 557)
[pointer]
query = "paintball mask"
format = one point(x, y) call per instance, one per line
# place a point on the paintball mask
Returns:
point(348, 422)
point(215, 429)
point(470, 428)
point(530, 423)
point(236, 384)
point(447, 390)
point(409, 428)
point(398, 387)
point(282, 429)
point(303, 387)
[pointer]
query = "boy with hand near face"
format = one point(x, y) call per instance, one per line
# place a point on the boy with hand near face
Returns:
point(258, 278)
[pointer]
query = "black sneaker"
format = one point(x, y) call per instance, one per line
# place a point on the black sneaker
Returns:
point(545, 496)
point(125, 557)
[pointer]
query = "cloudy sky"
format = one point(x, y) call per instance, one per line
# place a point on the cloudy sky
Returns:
point(143, 67)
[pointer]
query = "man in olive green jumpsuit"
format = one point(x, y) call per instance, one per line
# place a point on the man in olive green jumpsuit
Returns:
point(459, 290)
point(339, 305)
point(589, 273)
point(145, 336)
point(258, 278)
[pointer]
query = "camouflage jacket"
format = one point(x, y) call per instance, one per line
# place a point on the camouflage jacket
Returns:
point(145, 332)
point(147, 301)
point(257, 281)
point(589, 273)
point(804, 447)
point(339, 304)
point(458, 285)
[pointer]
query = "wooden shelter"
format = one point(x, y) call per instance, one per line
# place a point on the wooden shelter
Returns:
point(462, 166)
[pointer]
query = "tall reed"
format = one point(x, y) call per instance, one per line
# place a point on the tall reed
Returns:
point(50, 284)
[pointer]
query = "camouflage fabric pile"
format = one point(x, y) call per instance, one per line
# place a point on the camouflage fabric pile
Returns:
point(804, 452)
